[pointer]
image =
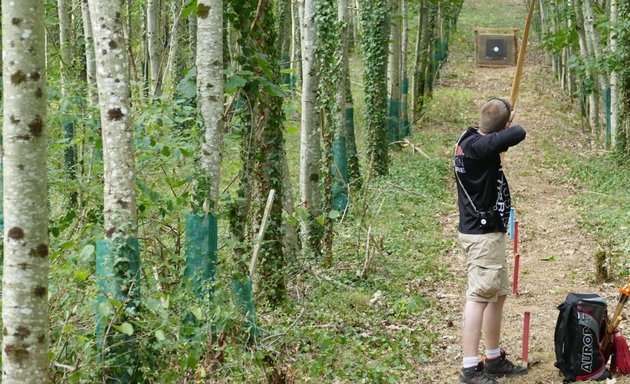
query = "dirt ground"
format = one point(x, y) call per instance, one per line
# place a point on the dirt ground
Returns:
point(556, 255)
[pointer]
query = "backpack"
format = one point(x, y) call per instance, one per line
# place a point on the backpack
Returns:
point(579, 332)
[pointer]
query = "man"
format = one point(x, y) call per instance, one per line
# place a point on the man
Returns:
point(484, 208)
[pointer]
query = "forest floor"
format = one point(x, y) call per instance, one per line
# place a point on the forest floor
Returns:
point(556, 251)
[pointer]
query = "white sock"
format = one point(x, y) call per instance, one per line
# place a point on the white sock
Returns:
point(493, 353)
point(470, 361)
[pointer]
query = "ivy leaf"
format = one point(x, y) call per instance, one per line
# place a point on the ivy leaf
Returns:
point(234, 83)
point(189, 8)
point(125, 328)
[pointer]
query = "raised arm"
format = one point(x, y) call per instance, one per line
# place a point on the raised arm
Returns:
point(495, 143)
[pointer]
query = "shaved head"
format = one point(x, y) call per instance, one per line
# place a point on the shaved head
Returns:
point(494, 115)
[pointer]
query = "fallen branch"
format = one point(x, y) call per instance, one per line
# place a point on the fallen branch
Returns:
point(261, 233)
point(414, 148)
point(368, 255)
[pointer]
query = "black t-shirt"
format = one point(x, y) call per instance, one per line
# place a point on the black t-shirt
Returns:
point(478, 168)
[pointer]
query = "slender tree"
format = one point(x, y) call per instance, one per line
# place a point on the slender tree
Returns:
point(90, 60)
point(344, 87)
point(614, 76)
point(375, 28)
point(153, 46)
point(67, 77)
point(117, 268)
point(201, 225)
point(345, 114)
point(393, 72)
point(310, 146)
point(25, 273)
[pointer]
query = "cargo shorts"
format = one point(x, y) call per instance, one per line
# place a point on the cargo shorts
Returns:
point(486, 261)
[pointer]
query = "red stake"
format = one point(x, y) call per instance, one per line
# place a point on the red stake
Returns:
point(517, 261)
point(525, 354)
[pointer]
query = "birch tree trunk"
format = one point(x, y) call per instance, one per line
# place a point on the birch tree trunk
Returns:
point(297, 10)
point(614, 78)
point(340, 152)
point(393, 73)
point(25, 273)
point(310, 146)
point(118, 272)
point(90, 60)
point(345, 90)
point(585, 52)
point(67, 76)
point(419, 71)
point(153, 47)
point(404, 46)
point(210, 91)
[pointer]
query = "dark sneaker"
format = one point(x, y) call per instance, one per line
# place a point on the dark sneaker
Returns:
point(501, 366)
point(475, 375)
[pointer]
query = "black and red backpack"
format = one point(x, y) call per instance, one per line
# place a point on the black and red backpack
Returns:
point(578, 338)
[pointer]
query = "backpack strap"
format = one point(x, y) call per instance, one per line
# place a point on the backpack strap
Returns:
point(560, 336)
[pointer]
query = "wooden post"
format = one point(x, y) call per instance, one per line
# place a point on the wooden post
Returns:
point(525, 352)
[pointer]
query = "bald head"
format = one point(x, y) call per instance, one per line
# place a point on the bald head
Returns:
point(495, 114)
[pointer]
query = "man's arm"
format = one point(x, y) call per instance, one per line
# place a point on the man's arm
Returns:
point(495, 143)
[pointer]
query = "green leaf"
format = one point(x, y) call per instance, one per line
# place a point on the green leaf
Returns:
point(234, 83)
point(159, 335)
point(104, 309)
point(125, 328)
point(189, 8)
point(197, 312)
point(550, 258)
point(334, 214)
point(87, 252)
point(166, 151)
point(81, 275)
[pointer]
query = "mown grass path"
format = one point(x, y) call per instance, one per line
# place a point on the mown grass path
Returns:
point(556, 254)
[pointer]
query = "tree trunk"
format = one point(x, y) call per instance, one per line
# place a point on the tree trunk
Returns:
point(340, 144)
point(284, 39)
point(593, 95)
point(296, 56)
point(347, 104)
point(310, 147)
point(419, 70)
point(210, 91)
point(25, 273)
point(90, 61)
point(393, 73)
point(172, 71)
point(375, 28)
point(153, 47)
point(118, 271)
point(404, 97)
point(67, 76)
point(614, 78)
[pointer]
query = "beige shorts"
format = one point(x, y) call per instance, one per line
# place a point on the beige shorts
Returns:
point(487, 266)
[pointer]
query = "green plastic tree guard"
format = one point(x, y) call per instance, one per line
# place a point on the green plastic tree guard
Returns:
point(340, 173)
point(242, 295)
point(394, 120)
point(118, 278)
point(404, 113)
point(201, 253)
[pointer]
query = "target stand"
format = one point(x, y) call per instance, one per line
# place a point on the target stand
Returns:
point(496, 47)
